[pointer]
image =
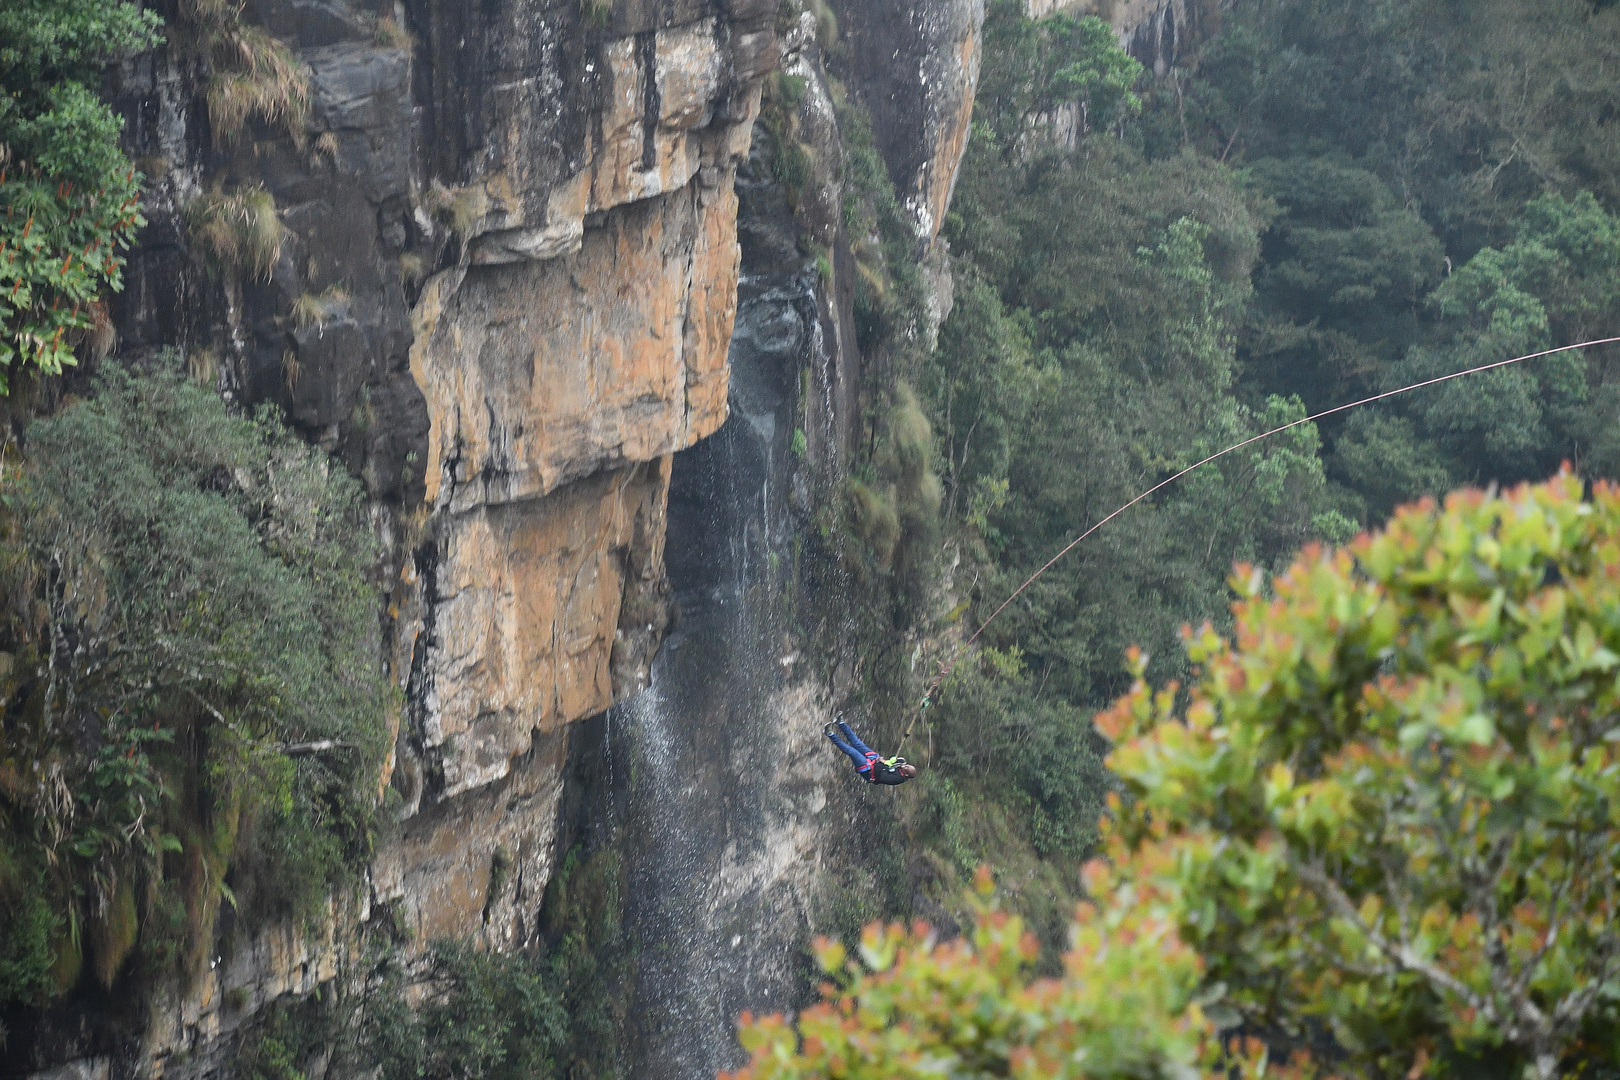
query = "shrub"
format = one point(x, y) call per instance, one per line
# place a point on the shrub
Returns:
point(391, 35)
point(485, 1016)
point(254, 75)
point(871, 516)
point(28, 948)
point(912, 1007)
point(412, 268)
point(71, 197)
point(597, 13)
point(211, 572)
point(792, 166)
point(326, 145)
point(460, 208)
point(238, 230)
point(313, 309)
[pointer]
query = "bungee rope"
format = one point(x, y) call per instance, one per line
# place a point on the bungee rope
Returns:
point(946, 667)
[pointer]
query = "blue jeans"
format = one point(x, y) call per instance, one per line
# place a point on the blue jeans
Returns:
point(859, 752)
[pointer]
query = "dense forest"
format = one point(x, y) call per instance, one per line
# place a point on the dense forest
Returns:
point(1317, 203)
point(1367, 834)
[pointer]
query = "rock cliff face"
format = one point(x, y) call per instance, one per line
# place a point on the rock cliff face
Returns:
point(579, 342)
point(519, 223)
point(1156, 32)
point(917, 65)
point(736, 809)
point(519, 226)
point(563, 174)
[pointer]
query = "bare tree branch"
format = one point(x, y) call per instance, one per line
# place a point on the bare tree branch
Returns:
point(1400, 953)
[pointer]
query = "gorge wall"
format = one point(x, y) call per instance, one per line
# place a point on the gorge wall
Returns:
point(540, 237)
point(518, 224)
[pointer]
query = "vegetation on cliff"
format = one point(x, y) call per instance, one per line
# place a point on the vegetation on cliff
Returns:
point(1383, 811)
point(194, 705)
point(454, 1011)
point(70, 195)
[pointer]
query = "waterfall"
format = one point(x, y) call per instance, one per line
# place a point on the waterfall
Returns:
point(721, 796)
point(723, 778)
point(698, 800)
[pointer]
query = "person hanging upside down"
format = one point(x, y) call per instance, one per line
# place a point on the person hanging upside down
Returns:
point(873, 769)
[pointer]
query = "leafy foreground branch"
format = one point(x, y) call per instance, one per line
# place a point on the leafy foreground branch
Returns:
point(1381, 824)
point(1124, 1007)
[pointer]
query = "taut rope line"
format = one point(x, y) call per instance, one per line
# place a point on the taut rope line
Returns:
point(945, 668)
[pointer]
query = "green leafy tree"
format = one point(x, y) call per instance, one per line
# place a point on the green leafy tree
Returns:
point(1557, 282)
point(1384, 460)
point(1467, 110)
point(70, 194)
point(1140, 388)
point(1387, 807)
point(1379, 822)
point(982, 385)
point(1344, 269)
point(454, 1012)
point(483, 1016)
point(1089, 354)
point(1042, 65)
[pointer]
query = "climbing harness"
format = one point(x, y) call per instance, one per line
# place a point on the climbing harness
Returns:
point(945, 667)
point(868, 771)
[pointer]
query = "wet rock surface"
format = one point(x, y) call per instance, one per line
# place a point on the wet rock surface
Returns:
point(731, 810)
point(916, 66)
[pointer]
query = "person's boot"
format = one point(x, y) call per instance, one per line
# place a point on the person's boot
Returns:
point(829, 730)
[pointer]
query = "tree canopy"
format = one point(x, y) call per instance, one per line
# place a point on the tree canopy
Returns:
point(1315, 202)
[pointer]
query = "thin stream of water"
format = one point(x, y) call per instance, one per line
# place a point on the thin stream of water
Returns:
point(696, 812)
point(711, 817)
